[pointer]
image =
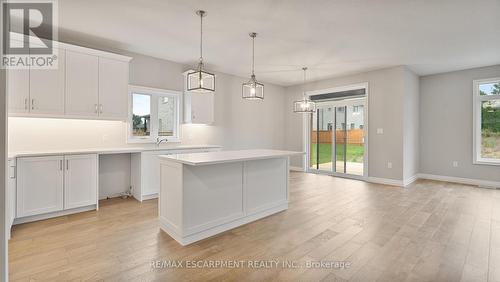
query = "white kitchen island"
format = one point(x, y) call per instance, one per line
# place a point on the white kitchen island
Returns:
point(203, 194)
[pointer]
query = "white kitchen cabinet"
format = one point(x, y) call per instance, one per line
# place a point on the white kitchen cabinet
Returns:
point(88, 84)
point(18, 89)
point(82, 91)
point(145, 172)
point(113, 84)
point(80, 180)
point(39, 185)
point(47, 89)
point(11, 196)
point(198, 108)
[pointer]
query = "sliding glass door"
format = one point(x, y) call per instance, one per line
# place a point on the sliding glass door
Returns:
point(321, 139)
point(337, 137)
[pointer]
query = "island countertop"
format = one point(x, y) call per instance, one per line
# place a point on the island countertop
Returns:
point(228, 156)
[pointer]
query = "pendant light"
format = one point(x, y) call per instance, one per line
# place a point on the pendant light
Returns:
point(200, 80)
point(305, 105)
point(253, 90)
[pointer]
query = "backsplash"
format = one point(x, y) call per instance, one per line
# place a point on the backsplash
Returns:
point(33, 134)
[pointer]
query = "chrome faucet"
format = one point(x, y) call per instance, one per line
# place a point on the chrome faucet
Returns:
point(159, 141)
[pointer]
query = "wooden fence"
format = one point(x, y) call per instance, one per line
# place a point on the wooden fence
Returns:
point(354, 136)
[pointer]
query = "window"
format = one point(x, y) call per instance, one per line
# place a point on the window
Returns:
point(153, 114)
point(487, 121)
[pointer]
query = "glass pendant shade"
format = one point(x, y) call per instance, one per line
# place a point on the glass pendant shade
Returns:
point(200, 81)
point(252, 90)
point(304, 106)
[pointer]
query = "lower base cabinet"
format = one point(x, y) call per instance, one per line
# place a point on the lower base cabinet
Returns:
point(55, 183)
point(145, 172)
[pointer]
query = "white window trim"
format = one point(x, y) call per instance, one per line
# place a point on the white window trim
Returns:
point(155, 94)
point(476, 122)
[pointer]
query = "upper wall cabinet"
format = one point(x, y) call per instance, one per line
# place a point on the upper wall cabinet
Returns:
point(113, 82)
point(18, 87)
point(198, 107)
point(87, 84)
point(82, 93)
point(46, 89)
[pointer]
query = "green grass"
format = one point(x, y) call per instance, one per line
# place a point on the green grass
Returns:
point(354, 153)
point(490, 145)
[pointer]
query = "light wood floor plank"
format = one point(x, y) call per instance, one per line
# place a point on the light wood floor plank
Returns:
point(430, 231)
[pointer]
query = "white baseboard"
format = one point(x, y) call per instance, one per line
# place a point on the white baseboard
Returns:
point(469, 181)
point(149, 197)
point(174, 232)
point(410, 180)
point(296, 168)
point(53, 214)
point(385, 181)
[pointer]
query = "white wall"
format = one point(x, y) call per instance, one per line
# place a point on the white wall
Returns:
point(446, 124)
point(385, 110)
point(411, 155)
point(238, 123)
point(114, 175)
point(3, 178)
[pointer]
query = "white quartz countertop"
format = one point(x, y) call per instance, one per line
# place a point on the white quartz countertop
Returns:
point(114, 150)
point(227, 156)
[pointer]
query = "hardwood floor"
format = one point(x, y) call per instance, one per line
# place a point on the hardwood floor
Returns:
point(431, 231)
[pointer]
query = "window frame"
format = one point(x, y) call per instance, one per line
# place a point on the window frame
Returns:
point(156, 94)
point(477, 100)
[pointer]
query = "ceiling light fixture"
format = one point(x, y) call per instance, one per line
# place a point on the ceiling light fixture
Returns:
point(200, 80)
point(253, 90)
point(305, 105)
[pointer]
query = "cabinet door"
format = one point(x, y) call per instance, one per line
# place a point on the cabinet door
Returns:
point(39, 185)
point(151, 173)
point(80, 181)
point(113, 89)
point(202, 108)
point(47, 89)
point(18, 89)
point(81, 84)
point(11, 193)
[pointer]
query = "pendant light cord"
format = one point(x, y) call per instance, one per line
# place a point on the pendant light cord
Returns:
point(253, 55)
point(304, 84)
point(201, 38)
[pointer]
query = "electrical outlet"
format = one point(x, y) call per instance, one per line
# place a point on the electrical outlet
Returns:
point(380, 131)
point(455, 163)
point(389, 165)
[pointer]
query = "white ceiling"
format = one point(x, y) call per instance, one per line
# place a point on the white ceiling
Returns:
point(333, 38)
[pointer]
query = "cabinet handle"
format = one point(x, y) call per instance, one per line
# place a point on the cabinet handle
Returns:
point(100, 108)
point(67, 164)
point(95, 105)
point(32, 104)
point(60, 165)
point(26, 103)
